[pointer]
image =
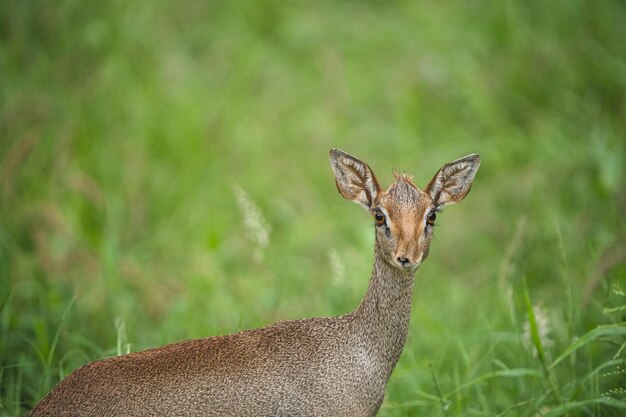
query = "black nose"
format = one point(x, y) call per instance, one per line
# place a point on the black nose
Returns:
point(403, 261)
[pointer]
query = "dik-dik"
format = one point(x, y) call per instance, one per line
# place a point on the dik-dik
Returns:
point(327, 366)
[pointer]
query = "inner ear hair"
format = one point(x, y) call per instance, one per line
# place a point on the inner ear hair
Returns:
point(354, 178)
point(453, 181)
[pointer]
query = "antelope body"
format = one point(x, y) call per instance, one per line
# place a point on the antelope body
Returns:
point(330, 366)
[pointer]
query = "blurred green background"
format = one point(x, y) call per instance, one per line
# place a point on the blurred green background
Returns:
point(164, 176)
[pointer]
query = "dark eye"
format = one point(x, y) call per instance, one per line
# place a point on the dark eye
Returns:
point(379, 217)
point(432, 216)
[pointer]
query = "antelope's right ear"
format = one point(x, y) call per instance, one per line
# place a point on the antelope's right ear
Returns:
point(355, 180)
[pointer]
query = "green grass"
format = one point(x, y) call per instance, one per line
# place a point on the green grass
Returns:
point(146, 147)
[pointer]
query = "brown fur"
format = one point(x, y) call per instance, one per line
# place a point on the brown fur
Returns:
point(335, 366)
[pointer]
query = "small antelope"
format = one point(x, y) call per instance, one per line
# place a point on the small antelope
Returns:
point(326, 366)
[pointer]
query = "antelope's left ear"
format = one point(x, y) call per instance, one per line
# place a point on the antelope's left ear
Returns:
point(453, 181)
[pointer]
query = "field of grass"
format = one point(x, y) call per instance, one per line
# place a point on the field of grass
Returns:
point(164, 176)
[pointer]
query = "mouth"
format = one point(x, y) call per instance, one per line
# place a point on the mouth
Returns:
point(410, 268)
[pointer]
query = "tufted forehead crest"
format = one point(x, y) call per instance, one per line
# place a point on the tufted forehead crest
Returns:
point(403, 191)
point(403, 176)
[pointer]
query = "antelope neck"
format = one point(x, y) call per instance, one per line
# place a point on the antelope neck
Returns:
point(384, 313)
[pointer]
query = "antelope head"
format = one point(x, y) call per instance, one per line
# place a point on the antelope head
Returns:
point(404, 215)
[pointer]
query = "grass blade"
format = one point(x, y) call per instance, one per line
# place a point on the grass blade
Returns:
point(581, 405)
point(534, 331)
point(600, 331)
point(501, 373)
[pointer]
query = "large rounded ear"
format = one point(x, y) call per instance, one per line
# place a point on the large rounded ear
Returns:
point(355, 180)
point(453, 181)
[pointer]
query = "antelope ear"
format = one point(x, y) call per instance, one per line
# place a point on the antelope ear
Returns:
point(453, 181)
point(355, 180)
